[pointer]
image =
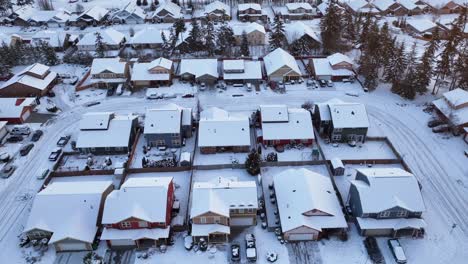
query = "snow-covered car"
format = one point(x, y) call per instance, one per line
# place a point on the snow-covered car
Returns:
point(397, 251)
point(7, 171)
point(235, 252)
point(55, 154)
point(37, 135)
point(441, 128)
point(251, 250)
point(63, 141)
point(188, 242)
point(272, 256)
point(20, 130)
point(202, 86)
point(322, 83)
point(4, 157)
point(92, 103)
point(14, 139)
point(329, 83)
point(310, 83)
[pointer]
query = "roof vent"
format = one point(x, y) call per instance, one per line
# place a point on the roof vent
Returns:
point(242, 129)
point(328, 192)
point(289, 217)
point(294, 190)
point(352, 112)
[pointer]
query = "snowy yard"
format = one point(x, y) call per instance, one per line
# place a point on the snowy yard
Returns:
point(219, 158)
point(78, 162)
point(370, 150)
point(292, 154)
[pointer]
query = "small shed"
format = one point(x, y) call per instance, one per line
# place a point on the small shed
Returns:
point(185, 159)
point(337, 167)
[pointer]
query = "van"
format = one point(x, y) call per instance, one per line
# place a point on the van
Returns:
point(20, 130)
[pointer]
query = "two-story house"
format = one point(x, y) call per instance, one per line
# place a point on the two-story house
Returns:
point(299, 11)
point(108, 73)
point(250, 12)
point(453, 108)
point(139, 213)
point(281, 66)
point(387, 202)
point(307, 205)
point(219, 205)
point(282, 125)
point(255, 33)
point(130, 13)
point(93, 16)
point(242, 71)
point(34, 81)
point(167, 125)
point(298, 31)
point(217, 11)
point(152, 74)
point(168, 12)
point(199, 70)
point(335, 67)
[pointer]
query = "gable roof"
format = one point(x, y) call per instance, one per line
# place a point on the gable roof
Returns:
point(349, 115)
point(173, 9)
point(274, 113)
point(298, 126)
point(252, 70)
point(96, 12)
point(299, 191)
point(144, 198)
point(24, 78)
point(199, 67)
point(217, 5)
point(454, 106)
point(294, 6)
point(297, 30)
point(338, 58)
point(164, 120)
point(278, 58)
point(243, 7)
point(381, 189)
point(109, 36)
point(113, 65)
point(149, 35)
point(238, 29)
point(131, 8)
point(13, 107)
point(160, 62)
point(408, 4)
point(421, 25)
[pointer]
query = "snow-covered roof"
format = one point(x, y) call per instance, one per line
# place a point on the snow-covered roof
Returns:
point(395, 224)
point(336, 163)
point(324, 108)
point(96, 120)
point(149, 35)
point(421, 25)
point(349, 115)
point(129, 9)
point(199, 67)
point(294, 6)
point(338, 58)
point(217, 6)
point(163, 120)
point(279, 58)
point(137, 198)
point(248, 28)
point(381, 189)
point(135, 234)
point(68, 209)
point(116, 135)
point(206, 229)
point(383, 5)
point(356, 5)
point(53, 38)
point(306, 198)
point(140, 72)
point(113, 65)
point(13, 107)
point(173, 9)
point(109, 36)
point(252, 70)
point(408, 4)
point(298, 126)
point(221, 195)
point(274, 113)
point(223, 131)
point(323, 7)
point(457, 98)
point(454, 105)
point(96, 12)
point(243, 7)
point(42, 15)
point(297, 30)
point(24, 78)
point(160, 62)
point(322, 66)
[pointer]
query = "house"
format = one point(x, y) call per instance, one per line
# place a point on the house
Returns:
point(407, 7)
point(282, 125)
point(55, 39)
point(281, 66)
point(242, 71)
point(217, 11)
point(361, 7)
point(453, 108)
point(199, 70)
point(168, 125)
point(298, 11)
point(341, 122)
point(106, 133)
point(448, 6)
point(387, 202)
point(49, 18)
point(250, 12)
point(421, 27)
point(20, 16)
point(152, 74)
point(148, 37)
point(68, 213)
point(168, 12)
point(256, 34)
point(335, 67)
point(220, 131)
point(299, 31)
point(387, 7)
point(130, 13)
point(3, 130)
point(139, 213)
point(308, 207)
point(219, 205)
point(108, 73)
point(93, 16)
point(16, 110)
point(111, 38)
point(34, 81)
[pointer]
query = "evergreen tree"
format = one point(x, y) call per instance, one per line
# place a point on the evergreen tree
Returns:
point(332, 27)
point(252, 163)
point(167, 45)
point(179, 26)
point(277, 36)
point(210, 44)
point(424, 70)
point(49, 56)
point(145, 3)
point(244, 48)
point(349, 30)
point(5, 7)
point(387, 45)
point(138, 2)
point(461, 67)
point(398, 68)
point(100, 46)
point(408, 85)
point(195, 38)
point(370, 60)
point(225, 40)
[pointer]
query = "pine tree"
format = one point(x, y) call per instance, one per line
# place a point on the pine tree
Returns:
point(166, 46)
point(225, 40)
point(277, 36)
point(398, 68)
point(244, 47)
point(210, 44)
point(100, 46)
point(370, 60)
point(195, 38)
point(5, 7)
point(408, 85)
point(252, 163)
point(138, 2)
point(386, 44)
point(349, 32)
point(179, 26)
point(48, 53)
point(145, 3)
point(332, 27)
point(424, 70)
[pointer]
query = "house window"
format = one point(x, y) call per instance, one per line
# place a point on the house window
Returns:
point(202, 220)
point(336, 137)
point(338, 129)
point(125, 224)
point(217, 219)
point(175, 142)
point(107, 149)
point(250, 210)
point(119, 149)
point(143, 224)
point(401, 214)
point(241, 211)
point(160, 142)
point(384, 214)
point(175, 135)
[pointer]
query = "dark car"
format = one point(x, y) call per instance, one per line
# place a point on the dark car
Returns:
point(26, 149)
point(235, 252)
point(37, 135)
point(15, 138)
point(7, 171)
point(435, 122)
point(323, 83)
point(63, 141)
point(373, 250)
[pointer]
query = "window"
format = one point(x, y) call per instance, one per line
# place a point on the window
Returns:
point(175, 142)
point(241, 211)
point(401, 214)
point(175, 135)
point(250, 210)
point(202, 220)
point(118, 148)
point(216, 219)
point(160, 142)
point(336, 137)
point(143, 224)
point(125, 224)
point(384, 214)
point(338, 129)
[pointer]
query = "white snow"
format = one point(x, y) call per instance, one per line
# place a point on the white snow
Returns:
point(199, 67)
point(14, 107)
point(297, 126)
point(279, 58)
point(113, 65)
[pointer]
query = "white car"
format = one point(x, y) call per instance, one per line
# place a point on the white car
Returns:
point(397, 251)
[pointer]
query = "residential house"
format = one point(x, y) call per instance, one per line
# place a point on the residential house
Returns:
point(130, 13)
point(108, 73)
point(299, 31)
point(250, 12)
point(308, 207)
point(361, 7)
point(341, 122)
point(220, 131)
point(282, 125)
point(335, 67)
point(217, 11)
point(420, 27)
point(387, 7)
point(168, 125)
point(148, 38)
point(242, 71)
point(168, 12)
point(51, 18)
point(55, 39)
point(300, 10)
point(448, 6)
point(387, 202)
point(453, 108)
point(16, 110)
point(281, 66)
point(407, 7)
point(139, 213)
point(111, 38)
point(34, 81)
point(219, 205)
point(93, 16)
point(68, 213)
point(20, 16)
point(106, 133)
point(152, 74)
point(256, 34)
point(199, 70)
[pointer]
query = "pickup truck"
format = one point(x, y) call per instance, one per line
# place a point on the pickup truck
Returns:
point(63, 141)
point(55, 154)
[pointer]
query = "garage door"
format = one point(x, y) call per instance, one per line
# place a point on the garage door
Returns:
point(25, 115)
point(76, 246)
point(242, 221)
point(297, 237)
point(122, 242)
point(378, 232)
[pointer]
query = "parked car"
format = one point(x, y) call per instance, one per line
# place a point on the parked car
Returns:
point(4, 157)
point(366, 90)
point(188, 242)
point(397, 250)
point(55, 154)
point(36, 135)
point(51, 94)
point(62, 142)
point(154, 96)
point(322, 83)
point(435, 122)
point(110, 92)
point(26, 149)
point(188, 95)
point(20, 130)
point(329, 83)
point(235, 252)
point(249, 87)
point(43, 175)
point(441, 128)
point(310, 83)
point(14, 139)
point(373, 250)
point(251, 250)
point(7, 171)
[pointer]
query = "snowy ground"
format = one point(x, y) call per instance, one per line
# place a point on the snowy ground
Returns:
point(370, 150)
point(79, 162)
